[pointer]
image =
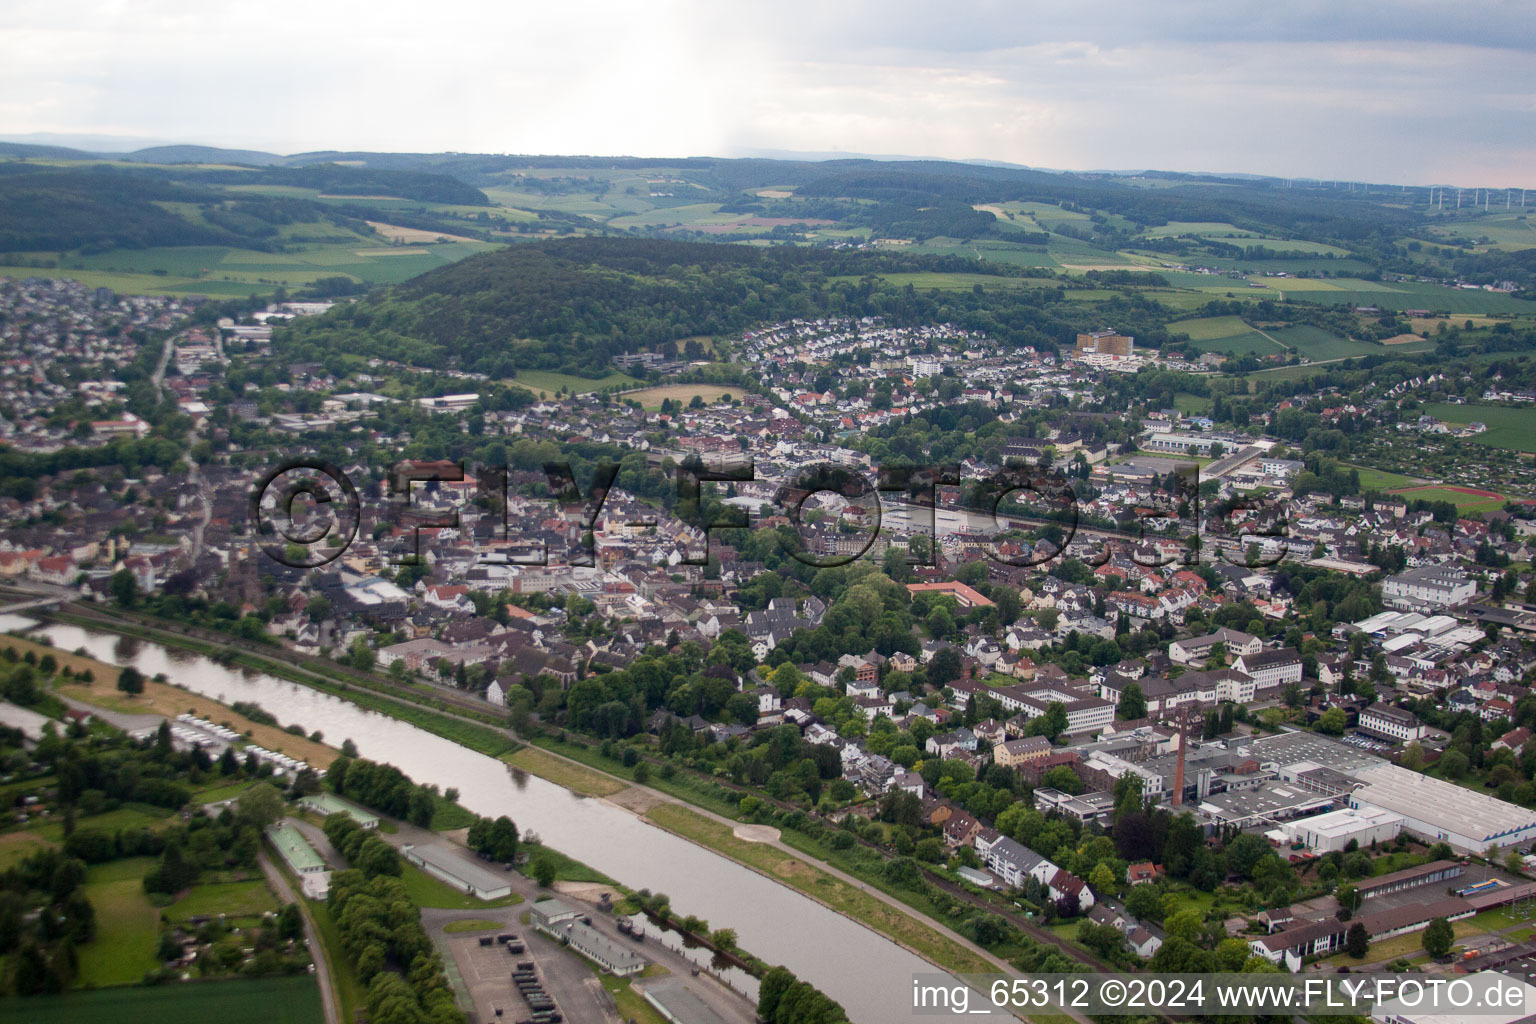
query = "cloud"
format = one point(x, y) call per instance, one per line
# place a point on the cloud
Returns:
point(1406, 91)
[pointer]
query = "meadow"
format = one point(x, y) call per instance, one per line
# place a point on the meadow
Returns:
point(1508, 426)
point(127, 925)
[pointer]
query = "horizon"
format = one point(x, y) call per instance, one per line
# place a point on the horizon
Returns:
point(1379, 92)
point(106, 146)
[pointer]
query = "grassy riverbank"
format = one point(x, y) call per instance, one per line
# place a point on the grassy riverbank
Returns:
point(482, 738)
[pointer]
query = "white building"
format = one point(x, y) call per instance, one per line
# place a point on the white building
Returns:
point(1428, 588)
point(1391, 723)
point(1325, 833)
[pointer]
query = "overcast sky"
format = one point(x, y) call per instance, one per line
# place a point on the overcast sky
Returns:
point(1400, 91)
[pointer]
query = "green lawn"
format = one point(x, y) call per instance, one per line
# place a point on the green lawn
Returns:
point(1380, 479)
point(427, 891)
point(291, 1000)
point(472, 925)
point(574, 777)
point(234, 899)
point(127, 925)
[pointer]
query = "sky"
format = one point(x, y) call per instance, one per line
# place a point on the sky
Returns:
point(1402, 91)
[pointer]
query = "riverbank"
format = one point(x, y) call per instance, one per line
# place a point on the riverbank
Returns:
point(774, 860)
point(485, 739)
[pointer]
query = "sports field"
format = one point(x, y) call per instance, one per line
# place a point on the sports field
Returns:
point(651, 398)
point(1508, 426)
point(1466, 499)
point(293, 1000)
point(545, 383)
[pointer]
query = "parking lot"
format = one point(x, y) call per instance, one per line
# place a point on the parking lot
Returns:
point(487, 973)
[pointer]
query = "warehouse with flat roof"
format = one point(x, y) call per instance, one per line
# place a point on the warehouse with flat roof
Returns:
point(329, 804)
point(301, 858)
point(464, 875)
point(563, 923)
point(1324, 833)
point(676, 1003)
point(1437, 810)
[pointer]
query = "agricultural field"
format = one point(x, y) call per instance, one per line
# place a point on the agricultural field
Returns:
point(1229, 334)
point(1319, 345)
point(954, 281)
point(1508, 427)
point(225, 271)
point(1400, 295)
point(292, 1000)
point(1510, 230)
point(651, 398)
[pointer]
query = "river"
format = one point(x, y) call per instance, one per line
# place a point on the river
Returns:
point(865, 972)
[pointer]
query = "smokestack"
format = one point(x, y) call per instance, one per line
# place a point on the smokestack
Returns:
point(1178, 771)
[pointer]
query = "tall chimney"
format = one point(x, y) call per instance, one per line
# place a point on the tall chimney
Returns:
point(1178, 771)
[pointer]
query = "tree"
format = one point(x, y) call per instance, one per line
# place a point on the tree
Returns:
point(261, 805)
point(1063, 778)
point(124, 587)
point(945, 667)
point(1438, 937)
point(130, 681)
point(1186, 924)
point(1133, 703)
point(1357, 941)
point(543, 868)
point(1101, 879)
point(1332, 722)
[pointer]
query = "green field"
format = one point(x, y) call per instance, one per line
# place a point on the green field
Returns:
point(545, 383)
point(1381, 480)
point(229, 271)
point(1464, 502)
point(127, 925)
point(1400, 295)
point(1318, 345)
point(1508, 426)
point(954, 281)
point(235, 899)
point(294, 1000)
point(1228, 334)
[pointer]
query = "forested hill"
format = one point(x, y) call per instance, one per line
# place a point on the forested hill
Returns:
point(573, 304)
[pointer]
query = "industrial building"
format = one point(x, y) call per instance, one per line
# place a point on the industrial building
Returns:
point(1432, 809)
point(464, 875)
point(677, 1004)
point(329, 804)
point(1437, 810)
point(302, 859)
point(562, 922)
point(1325, 833)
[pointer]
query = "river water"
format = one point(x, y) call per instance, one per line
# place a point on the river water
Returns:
point(865, 972)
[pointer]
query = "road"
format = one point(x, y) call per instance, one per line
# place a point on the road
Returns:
point(311, 936)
